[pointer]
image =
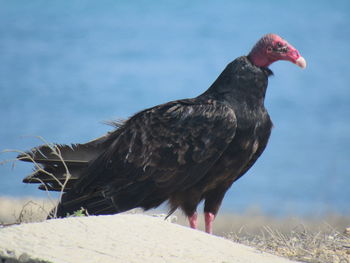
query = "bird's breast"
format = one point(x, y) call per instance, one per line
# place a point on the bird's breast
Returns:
point(253, 134)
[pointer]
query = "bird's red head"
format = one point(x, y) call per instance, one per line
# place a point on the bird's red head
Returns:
point(271, 48)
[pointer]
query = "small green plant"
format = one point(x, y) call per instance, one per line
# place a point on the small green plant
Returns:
point(81, 212)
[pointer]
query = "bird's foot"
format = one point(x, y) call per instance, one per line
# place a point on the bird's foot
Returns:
point(209, 219)
point(193, 220)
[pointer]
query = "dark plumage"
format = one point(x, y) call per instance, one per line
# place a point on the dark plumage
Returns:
point(183, 151)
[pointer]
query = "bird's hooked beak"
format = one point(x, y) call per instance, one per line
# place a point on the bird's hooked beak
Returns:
point(293, 56)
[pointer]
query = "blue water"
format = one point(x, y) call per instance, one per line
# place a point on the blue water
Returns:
point(66, 66)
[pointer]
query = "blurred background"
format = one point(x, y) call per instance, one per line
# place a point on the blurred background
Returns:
point(67, 66)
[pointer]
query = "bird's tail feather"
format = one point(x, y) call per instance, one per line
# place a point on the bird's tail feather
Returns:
point(57, 166)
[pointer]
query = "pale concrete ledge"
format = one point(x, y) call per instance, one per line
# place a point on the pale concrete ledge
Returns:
point(120, 238)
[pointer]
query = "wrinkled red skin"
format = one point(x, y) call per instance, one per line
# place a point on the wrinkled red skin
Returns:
point(272, 48)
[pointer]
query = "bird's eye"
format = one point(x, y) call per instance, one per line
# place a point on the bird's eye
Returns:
point(279, 44)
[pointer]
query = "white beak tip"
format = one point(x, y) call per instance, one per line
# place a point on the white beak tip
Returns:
point(301, 62)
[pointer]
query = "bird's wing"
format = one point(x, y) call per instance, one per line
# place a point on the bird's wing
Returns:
point(172, 146)
point(262, 143)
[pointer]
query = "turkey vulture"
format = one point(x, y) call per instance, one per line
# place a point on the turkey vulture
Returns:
point(183, 151)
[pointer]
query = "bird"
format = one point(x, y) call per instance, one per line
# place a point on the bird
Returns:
point(181, 152)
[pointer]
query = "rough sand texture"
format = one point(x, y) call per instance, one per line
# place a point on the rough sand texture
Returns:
point(28, 209)
point(121, 238)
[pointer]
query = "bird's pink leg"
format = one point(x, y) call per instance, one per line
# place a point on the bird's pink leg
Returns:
point(193, 220)
point(209, 219)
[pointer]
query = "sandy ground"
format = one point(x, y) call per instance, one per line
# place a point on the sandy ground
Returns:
point(302, 238)
point(251, 222)
point(122, 238)
point(28, 209)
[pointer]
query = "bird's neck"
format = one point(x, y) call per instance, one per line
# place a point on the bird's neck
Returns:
point(260, 59)
point(240, 83)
